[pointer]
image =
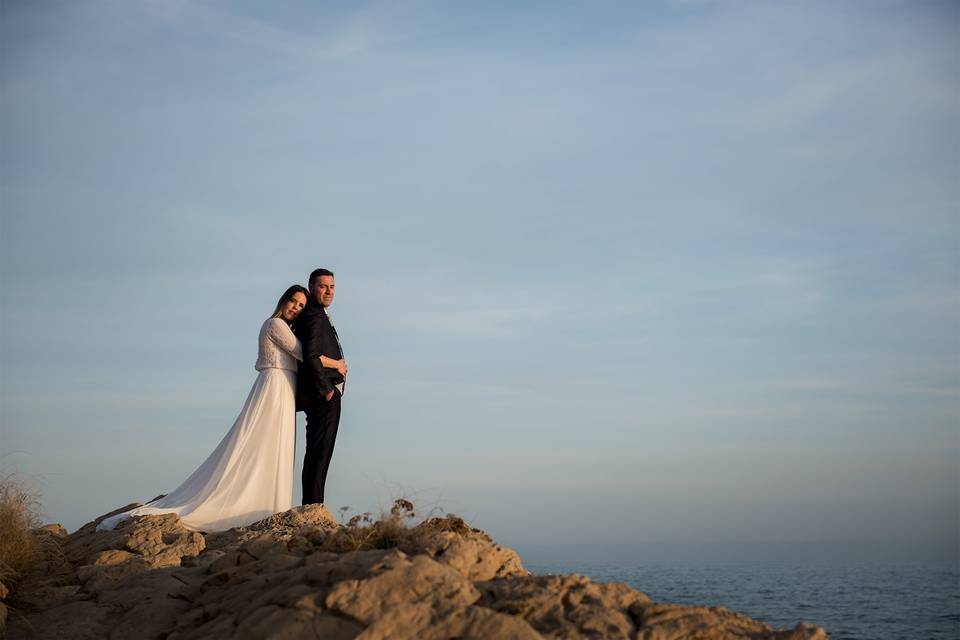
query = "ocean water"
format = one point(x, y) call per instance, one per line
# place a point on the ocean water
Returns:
point(852, 601)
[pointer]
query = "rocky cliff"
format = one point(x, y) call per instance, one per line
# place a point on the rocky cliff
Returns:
point(301, 574)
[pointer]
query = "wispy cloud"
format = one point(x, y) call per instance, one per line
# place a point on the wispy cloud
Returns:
point(640, 233)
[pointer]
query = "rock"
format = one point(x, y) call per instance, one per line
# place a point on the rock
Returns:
point(476, 556)
point(426, 622)
point(93, 576)
point(279, 578)
point(82, 620)
point(567, 606)
point(331, 627)
point(802, 631)
point(149, 618)
point(327, 569)
point(159, 540)
point(144, 543)
point(399, 581)
point(4, 592)
point(284, 526)
point(37, 592)
point(207, 557)
point(296, 518)
point(675, 622)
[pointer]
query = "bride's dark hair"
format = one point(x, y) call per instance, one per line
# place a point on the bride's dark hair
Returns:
point(288, 295)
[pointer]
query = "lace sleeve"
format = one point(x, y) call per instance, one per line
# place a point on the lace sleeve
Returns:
point(281, 335)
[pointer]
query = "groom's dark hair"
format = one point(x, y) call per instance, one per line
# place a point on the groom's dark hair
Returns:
point(315, 275)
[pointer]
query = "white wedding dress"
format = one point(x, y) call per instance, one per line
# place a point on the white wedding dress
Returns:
point(249, 476)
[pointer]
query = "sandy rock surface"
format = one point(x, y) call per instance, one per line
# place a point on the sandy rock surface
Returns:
point(279, 578)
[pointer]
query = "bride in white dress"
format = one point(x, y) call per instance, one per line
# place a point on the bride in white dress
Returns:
point(249, 476)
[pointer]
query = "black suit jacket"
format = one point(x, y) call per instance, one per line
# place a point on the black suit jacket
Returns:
point(317, 338)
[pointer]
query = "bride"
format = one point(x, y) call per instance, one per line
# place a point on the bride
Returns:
point(249, 476)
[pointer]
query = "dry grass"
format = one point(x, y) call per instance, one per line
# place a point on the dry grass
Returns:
point(391, 530)
point(19, 513)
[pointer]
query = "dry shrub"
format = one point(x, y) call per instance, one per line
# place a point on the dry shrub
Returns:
point(450, 522)
point(390, 531)
point(19, 513)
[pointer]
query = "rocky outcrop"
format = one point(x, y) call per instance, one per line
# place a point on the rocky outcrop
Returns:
point(300, 574)
point(4, 592)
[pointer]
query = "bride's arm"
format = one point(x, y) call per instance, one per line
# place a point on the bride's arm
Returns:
point(330, 363)
point(281, 335)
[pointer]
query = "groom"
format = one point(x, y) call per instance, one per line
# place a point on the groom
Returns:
point(319, 389)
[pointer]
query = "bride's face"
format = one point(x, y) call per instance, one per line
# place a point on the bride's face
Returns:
point(292, 307)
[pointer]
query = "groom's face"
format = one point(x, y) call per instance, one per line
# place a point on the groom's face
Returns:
point(323, 290)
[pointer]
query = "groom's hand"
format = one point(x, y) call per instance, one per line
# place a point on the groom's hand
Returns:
point(329, 395)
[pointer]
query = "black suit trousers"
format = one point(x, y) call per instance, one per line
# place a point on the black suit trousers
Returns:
point(323, 418)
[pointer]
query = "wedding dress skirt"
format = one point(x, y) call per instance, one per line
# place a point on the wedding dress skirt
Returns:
point(249, 476)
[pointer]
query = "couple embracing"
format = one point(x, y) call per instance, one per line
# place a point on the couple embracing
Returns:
point(249, 476)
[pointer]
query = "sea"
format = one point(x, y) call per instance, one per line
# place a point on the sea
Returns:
point(852, 600)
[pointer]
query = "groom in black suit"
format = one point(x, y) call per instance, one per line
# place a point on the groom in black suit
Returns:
point(319, 388)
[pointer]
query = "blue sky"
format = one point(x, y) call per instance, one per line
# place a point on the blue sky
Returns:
point(619, 272)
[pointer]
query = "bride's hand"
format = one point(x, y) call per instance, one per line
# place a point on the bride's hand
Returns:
point(330, 363)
